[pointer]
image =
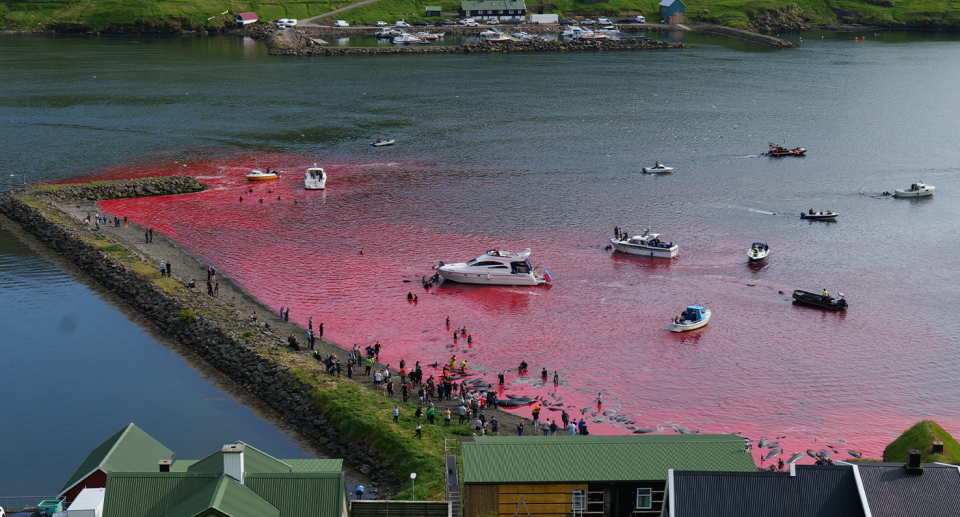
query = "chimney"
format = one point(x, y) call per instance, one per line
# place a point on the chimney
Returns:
point(913, 464)
point(165, 465)
point(233, 461)
point(937, 447)
point(793, 470)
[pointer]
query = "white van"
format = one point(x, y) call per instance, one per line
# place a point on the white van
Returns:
point(641, 19)
point(341, 23)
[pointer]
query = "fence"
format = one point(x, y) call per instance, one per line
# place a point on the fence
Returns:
point(16, 503)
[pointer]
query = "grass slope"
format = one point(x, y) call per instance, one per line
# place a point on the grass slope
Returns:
point(192, 14)
point(920, 437)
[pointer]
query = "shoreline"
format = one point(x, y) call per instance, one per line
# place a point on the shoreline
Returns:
point(219, 331)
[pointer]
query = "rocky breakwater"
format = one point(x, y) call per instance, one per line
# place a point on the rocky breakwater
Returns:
point(218, 331)
point(465, 48)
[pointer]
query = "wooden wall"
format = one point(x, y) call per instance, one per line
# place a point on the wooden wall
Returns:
point(480, 500)
point(542, 500)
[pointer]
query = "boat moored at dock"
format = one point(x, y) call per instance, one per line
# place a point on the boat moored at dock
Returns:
point(646, 245)
point(495, 267)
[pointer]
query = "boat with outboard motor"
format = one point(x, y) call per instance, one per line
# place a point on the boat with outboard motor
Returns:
point(778, 151)
point(829, 215)
point(406, 38)
point(694, 317)
point(383, 143)
point(647, 245)
point(493, 36)
point(824, 301)
point(659, 167)
point(259, 175)
point(758, 252)
point(315, 178)
point(495, 267)
point(918, 189)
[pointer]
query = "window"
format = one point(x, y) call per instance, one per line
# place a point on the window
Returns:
point(644, 498)
point(579, 500)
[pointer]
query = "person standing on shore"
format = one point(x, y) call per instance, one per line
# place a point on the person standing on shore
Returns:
point(553, 426)
point(431, 414)
point(446, 417)
point(320, 330)
point(287, 317)
point(310, 339)
point(146, 237)
point(163, 268)
point(216, 290)
point(396, 413)
point(126, 223)
point(151, 234)
point(350, 368)
point(366, 371)
point(310, 323)
point(463, 413)
point(169, 274)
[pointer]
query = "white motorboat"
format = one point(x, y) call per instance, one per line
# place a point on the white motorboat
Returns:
point(692, 318)
point(495, 267)
point(758, 252)
point(915, 190)
point(387, 33)
point(829, 215)
point(315, 178)
point(493, 36)
point(405, 39)
point(588, 35)
point(432, 36)
point(659, 167)
point(383, 143)
point(259, 175)
point(647, 245)
point(523, 36)
point(571, 30)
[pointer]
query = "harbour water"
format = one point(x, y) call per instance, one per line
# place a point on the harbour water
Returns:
point(544, 151)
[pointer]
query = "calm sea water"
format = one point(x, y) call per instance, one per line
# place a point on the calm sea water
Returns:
point(544, 151)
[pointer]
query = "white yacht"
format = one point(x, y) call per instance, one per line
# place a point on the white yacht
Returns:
point(495, 267)
point(315, 178)
point(915, 190)
point(405, 39)
point(647, 245)
point(493, 36)
point(571, 30)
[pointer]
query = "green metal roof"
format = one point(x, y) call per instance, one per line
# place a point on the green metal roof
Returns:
point(432, 8)
point(131, 449)
point(254, 460)
point(568, 459)
point(299, 465)
point(302, 494)
point(492, 5)
point(228, 497)
point(149, 494)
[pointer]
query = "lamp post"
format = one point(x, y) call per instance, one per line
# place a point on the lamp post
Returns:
point(180, 166)
point(413, 485)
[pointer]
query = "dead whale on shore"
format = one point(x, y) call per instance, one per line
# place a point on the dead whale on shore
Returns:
point(643, 431)
point(773, 453)
point(515, 401)
point(855, 454)
point(811, 453)
point(796, 456)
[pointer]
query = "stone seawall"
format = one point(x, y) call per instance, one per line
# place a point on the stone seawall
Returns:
point(752, 37)
point(276, 49)
point(236, 348)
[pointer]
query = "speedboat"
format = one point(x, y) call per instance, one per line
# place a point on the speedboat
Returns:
point(588, 35)
point(387, 33)
point(406, 38)
point(523, 36)
point(758, 252)
point(692, 318)
point(315, 178)
point(823, 301)
point(382, 143)
point(495, 267)
point(778, 151)
point(571, 30)
point(429, 36)
point(493, 36)
point(915, 190)
point(820, 216)
point(647, 245)
point(259, 175)
point(659, 167)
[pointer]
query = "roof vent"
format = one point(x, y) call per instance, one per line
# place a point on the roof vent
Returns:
point(233, 461)
point(937, 447)
point(165, 465)
point(913, 463)
point(793, 470)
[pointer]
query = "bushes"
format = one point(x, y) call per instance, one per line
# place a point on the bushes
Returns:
point(187, 316)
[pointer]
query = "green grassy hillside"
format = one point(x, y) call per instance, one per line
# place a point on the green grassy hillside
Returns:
point(920, 437)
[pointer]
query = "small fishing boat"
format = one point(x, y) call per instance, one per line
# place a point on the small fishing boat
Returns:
point(589, 35)
point(659, 167)
point(432, 36)
point(824, 301)
point(259, 175)
point(647, 245)
point(915, 190)
point(493, 36)
point(495, 267)
point(758, 252)
point(692, 318)
point(778, 151)
point(829, 215)
point(315, 178)
point(406, 38)
point(382, 143)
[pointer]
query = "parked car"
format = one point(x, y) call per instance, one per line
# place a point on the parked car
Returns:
point(291, 22)
point(515, 21)
point(420, 24)
point(565, 22)
point(401, 23)
point(341, 23)
point(281, 25)
point(604, 21)
point(625, 20)
point(493, 21)
point(381, 24)
point(640, 19)
point(448, 21)
point(467, 21)
point(588, 21)
point(438, 24)
point(472, 24)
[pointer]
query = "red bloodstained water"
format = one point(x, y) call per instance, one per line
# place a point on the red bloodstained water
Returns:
point(601, 326)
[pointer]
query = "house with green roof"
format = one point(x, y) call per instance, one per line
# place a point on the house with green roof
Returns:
point(610, 476)
point(501, 9)
point(131, 449)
